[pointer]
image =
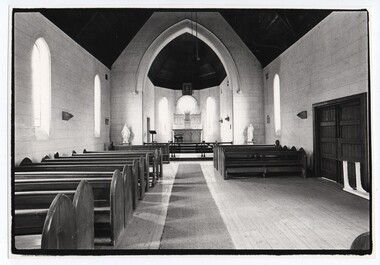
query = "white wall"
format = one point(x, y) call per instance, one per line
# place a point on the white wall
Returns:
point(127, 108)
point(329, 62)
point(72, 89)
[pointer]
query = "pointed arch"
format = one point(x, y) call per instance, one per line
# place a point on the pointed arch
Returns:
point(186, 26)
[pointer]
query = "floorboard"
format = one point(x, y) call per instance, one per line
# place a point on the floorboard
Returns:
point(287, 212)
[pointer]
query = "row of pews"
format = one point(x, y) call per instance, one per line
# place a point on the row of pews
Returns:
point(83, 200)
point(231, 160)
point(164, 147)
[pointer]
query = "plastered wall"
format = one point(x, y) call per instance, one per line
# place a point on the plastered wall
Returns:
point(329, 62)
point(72, 89)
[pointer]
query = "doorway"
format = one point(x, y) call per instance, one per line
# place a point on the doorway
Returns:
point(341, 135)
point(147, 130)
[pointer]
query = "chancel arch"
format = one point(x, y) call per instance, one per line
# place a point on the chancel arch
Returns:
point(179, 30)
point(187, 26)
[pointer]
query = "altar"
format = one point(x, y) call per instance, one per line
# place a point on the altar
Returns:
point(187, 128)
point(187, 135)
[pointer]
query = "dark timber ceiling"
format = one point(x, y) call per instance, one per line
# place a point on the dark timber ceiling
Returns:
point(178, 63)
point(106, 32)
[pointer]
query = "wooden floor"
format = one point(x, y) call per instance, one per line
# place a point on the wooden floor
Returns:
point(261, 213)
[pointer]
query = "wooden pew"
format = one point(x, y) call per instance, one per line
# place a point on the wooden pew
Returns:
point(164, 147)
point(109, 200)
point(362, 242)
point(62, 225)
point(218, 157)
point(27, 165)
point(100, 181)
point(201, 148)
point(152, 158)
point(76, 160)
point(263, 161)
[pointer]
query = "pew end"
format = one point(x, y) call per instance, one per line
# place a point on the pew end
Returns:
point(117, 206)
point(59, 227)
point(26, 162)
point(362, 242)
point(84, 213)
point(45, 158)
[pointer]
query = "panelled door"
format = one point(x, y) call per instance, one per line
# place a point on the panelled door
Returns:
point(341, 136)
point(328, 143)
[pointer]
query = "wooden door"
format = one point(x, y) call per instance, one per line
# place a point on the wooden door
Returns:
point(341, 136)
point(351, 144)
point(328, 143)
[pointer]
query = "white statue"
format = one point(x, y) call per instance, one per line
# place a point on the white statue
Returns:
point(250, 133)
point(126, 133)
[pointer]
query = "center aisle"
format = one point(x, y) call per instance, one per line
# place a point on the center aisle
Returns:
point(193, 220)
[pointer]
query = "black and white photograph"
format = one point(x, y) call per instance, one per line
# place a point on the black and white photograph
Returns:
point(217, 130)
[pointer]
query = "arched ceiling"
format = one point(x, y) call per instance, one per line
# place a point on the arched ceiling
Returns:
point(105, 32)
point(178, 63)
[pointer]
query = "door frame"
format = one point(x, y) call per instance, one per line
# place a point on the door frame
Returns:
point(365, 133)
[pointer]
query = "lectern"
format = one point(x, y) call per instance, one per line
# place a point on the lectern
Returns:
point(152, 132)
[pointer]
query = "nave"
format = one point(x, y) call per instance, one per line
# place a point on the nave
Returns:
point(289, 213)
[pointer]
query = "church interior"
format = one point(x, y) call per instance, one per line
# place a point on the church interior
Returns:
point(191, 131)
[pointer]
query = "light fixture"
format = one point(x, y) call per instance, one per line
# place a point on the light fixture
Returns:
point(227, 118)
point(302, 115)
point(66, 115)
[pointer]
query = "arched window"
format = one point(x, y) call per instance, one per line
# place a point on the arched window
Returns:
point(41, 86)
point(97, 106)
point(277, 104)
point(163, 110)
point(187, 104)
point(210, 109)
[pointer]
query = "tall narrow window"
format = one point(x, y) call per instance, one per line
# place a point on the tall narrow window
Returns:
point(277, 104)
point(163, 110)
point(210, 110)
point(97, 106)
point(41, 86)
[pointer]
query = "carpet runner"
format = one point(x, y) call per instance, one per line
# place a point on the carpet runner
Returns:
point(193, 220)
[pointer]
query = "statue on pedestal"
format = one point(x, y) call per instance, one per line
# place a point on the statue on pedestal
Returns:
point(250, 131)
point(125, 133)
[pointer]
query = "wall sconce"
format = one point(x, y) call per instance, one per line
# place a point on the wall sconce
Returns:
point(227, 118)
point(66, 115)
point(302, 114)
